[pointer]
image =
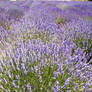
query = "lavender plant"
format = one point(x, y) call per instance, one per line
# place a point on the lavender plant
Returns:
point(85, 44)
point(46, 55)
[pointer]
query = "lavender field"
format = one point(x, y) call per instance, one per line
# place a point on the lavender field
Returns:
point(45, 46)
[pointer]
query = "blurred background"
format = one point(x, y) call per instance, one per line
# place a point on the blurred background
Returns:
point(50, 0)
point(45, 0)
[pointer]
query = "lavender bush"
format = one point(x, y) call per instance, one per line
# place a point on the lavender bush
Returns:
point(48, 51)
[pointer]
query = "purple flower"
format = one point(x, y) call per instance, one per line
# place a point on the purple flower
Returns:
point(29, 87)
point(55, 74)
point(57, 88)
